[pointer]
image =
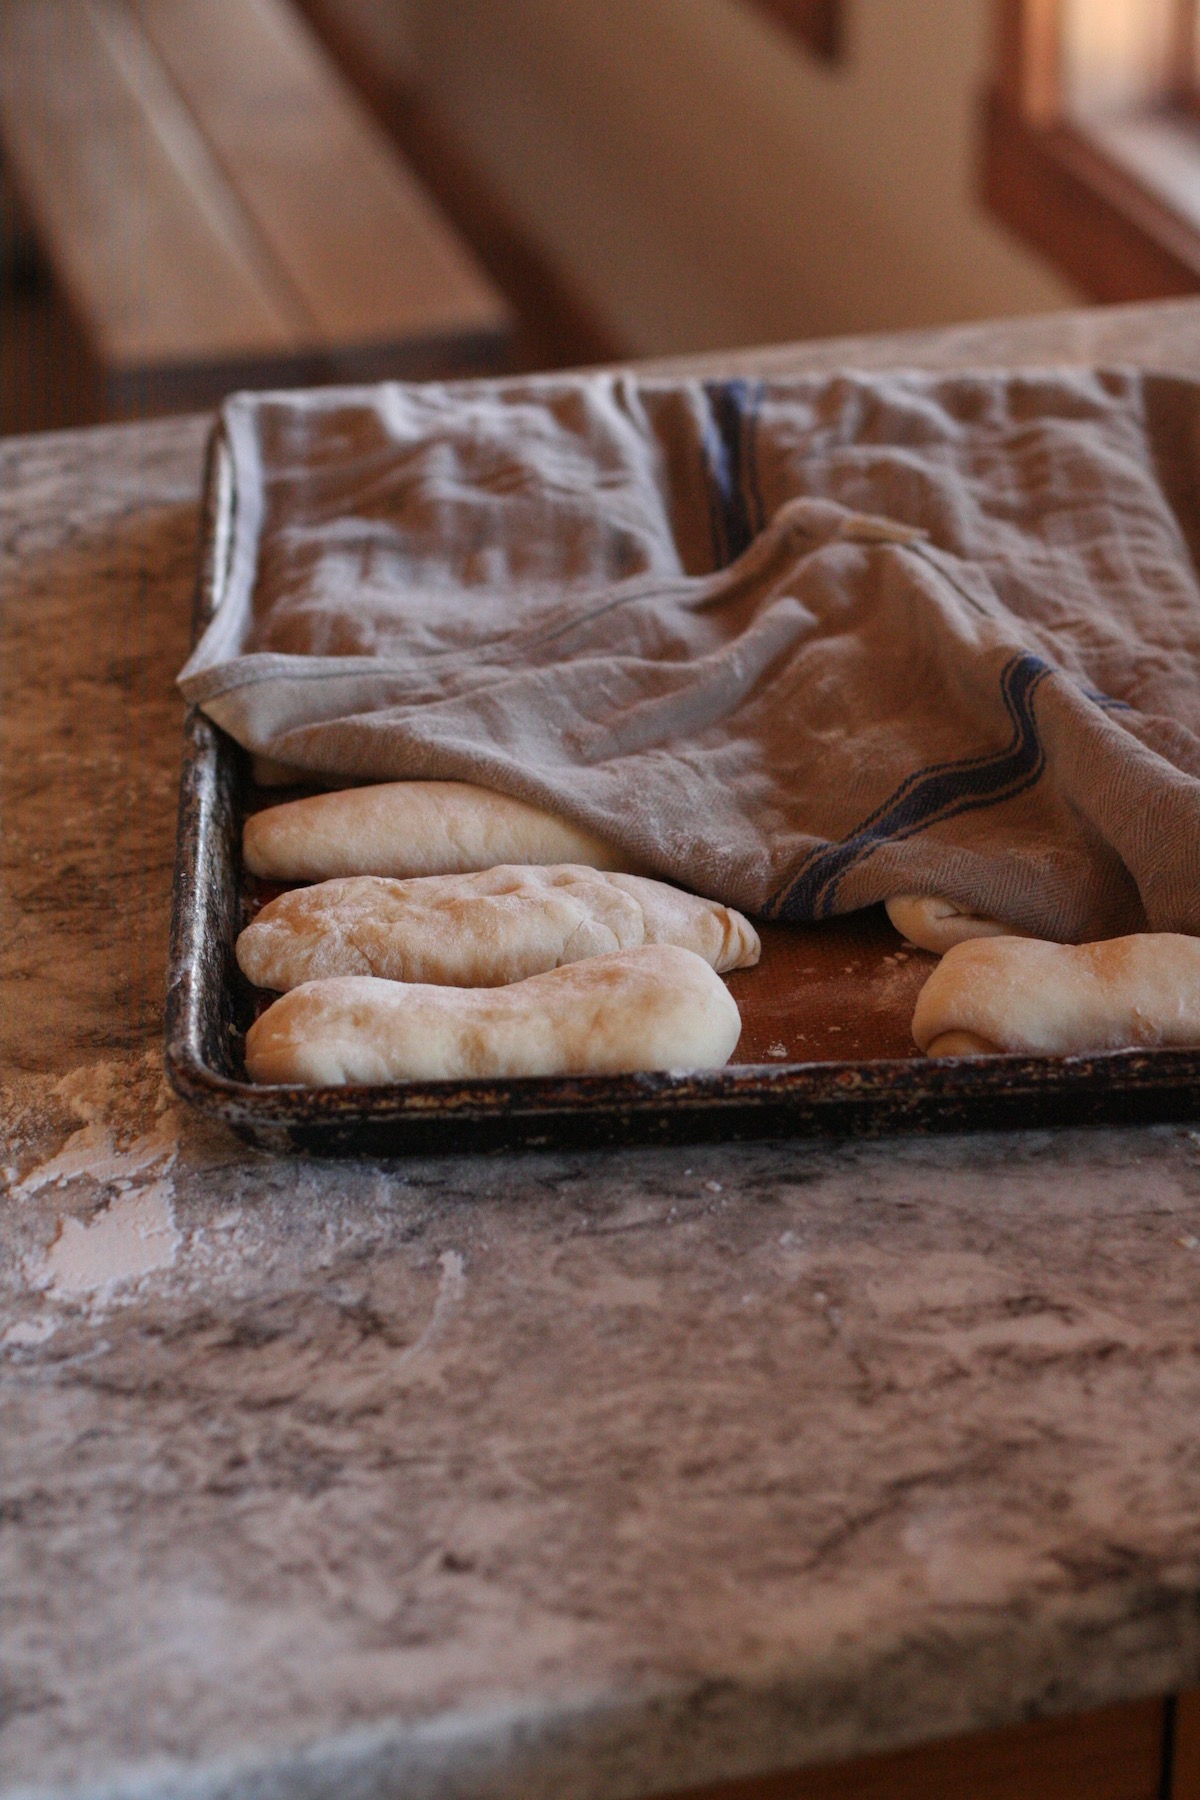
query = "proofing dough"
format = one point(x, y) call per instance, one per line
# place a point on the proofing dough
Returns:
point(1020, 994)
point(657, 1007)
point(480, 930)
point(933, 924)
point(411, 828)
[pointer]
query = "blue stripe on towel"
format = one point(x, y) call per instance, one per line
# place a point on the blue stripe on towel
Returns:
point(925, 798)
point(730, 445)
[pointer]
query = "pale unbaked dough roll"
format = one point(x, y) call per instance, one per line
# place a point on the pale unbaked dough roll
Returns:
point(1020, 994)
point(480, 930)
point(657, 1007)
point(934, 924)
point(404, 828)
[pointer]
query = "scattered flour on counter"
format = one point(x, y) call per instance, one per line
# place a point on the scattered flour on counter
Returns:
point(452, 1287)
point(132, 1232)
point(128, 1238)
point(90, 1151)
point(27, 1332)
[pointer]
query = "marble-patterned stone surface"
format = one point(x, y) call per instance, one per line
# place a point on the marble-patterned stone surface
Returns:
point(588, 1475)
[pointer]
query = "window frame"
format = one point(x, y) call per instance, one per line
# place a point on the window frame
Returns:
point(1056, 185)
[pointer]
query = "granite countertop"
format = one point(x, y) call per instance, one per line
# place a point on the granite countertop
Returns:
point(595, 1475)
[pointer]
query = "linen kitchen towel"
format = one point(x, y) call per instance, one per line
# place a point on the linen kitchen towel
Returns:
point(799, 645)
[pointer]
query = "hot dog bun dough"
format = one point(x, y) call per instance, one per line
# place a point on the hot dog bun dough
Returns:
point(405, 828)
point(1024, 995)
point(480, 930)
point(933, 924)
point(657, 1007)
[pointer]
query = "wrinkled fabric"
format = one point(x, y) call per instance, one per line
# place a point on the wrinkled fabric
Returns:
point(799, 645)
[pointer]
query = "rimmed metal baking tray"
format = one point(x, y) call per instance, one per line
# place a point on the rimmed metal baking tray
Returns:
point(825, 1049)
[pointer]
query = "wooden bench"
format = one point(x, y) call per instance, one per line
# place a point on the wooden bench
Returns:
point(220, 211)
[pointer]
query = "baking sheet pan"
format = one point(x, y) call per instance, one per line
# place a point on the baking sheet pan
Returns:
point(826, 1047)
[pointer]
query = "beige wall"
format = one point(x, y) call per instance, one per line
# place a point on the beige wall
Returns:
point(703, 182)
point(382, 29)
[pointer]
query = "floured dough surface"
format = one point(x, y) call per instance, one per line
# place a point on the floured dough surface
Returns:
point(934, 924)
point(657, 1007)
point(1024, 995)
point(406, 828)
point(481, 930)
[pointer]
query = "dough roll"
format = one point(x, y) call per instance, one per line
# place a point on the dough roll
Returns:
point(657, 1007)
point(1021, 994)
point(933, 924)
point(480, 930)
point(405, 828)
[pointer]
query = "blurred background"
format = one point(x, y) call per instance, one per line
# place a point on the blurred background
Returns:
point(201, 194)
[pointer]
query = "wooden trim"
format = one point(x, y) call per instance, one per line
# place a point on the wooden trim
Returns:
point(819, 24)
point(1182, 52)
point(1091, 219)
point(556, 328)
point(1028, 57)
point(1185, 1761)
point(1115, 1753)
